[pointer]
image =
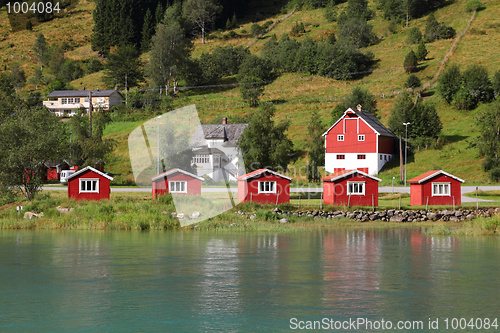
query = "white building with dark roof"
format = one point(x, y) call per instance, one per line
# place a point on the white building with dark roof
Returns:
point(68, 102)
point(216, 151)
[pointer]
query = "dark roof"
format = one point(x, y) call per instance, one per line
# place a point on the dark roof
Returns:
point(81, 93)
point(229, 132)
point(374, 123)
point(206, 150)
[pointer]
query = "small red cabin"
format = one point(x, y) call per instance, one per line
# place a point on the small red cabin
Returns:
point(176, 181)
point(89, 184)
point(435, 187)
point(264, 186)
point(350, 187)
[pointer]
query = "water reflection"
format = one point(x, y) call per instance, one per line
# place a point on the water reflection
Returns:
point(197, 282)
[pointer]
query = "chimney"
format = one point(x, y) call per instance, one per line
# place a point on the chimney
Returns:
point(224, 121)
point(358, 107)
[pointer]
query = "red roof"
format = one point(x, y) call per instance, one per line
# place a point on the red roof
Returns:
point(258, 172)
point(431, 174)
point(344, 173)
point(173, 171)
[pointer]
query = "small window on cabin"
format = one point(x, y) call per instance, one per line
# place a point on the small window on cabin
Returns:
point(341, 157)
point(177, 186)
point(356, 188)
point(267, 187)
point(89, 186)
point(340, 138)
point(440, 189)
point(361, 138)
point(361, 157)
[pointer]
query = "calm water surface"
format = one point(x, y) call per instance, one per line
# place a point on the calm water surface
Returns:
point(56, 281)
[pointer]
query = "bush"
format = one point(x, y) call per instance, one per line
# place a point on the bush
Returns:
point(421, 52)
point(413, 82)
point(410, 63)
point(297, 29)
point(256, 29)
point(92, 66)
point(331, 12)
point(495, 83)
point(414, 36)
point(473, 5)
point(435, 30)
point(449, 83)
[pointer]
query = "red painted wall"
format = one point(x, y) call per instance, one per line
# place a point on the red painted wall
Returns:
point(335, 193)
point(160, 186)
point(385, 145)
point(74, 187)
point(248, 190)
point(420, 192)
point(351, 127)
point(52, 174)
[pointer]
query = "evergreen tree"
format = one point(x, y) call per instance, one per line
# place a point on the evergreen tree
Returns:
point(489, 140)
point(413, 82)
point(315, 129)
point(264, 144)
point(356, 33)
point(40, 49)
point(17, 75)
point(421, 52)
point(159, 13)
point(414, 36)
point(123, 62)
point(148, 30)
point(495, 83)
point(449, 83)
point(410, 64)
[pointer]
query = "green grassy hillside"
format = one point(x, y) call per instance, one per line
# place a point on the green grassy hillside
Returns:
point(296, 95)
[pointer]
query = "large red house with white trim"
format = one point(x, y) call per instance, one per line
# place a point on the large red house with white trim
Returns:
point(350, 187)
point(176, 181)
point(435, 187)
point(358, 140)
point(264, 186)
point(89, 184)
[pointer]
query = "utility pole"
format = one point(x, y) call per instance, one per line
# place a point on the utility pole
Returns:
point(91, 110)
point(400, 159)
point(406, 146)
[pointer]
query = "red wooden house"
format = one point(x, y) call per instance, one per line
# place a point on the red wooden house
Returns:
point(358, 140)
point(264, 186)
point(89, 184)
point(435, 187)
point(350, 187)
point(176, 181)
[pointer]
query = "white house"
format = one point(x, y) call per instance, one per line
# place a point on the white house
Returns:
point(68, 102)
point(216, 152)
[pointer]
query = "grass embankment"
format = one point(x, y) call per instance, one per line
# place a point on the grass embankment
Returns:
point(136, 211)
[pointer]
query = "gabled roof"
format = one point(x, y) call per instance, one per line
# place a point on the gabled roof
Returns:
point(81, 93)
point(346, 173)
point(89, 168)
point(174, 171)
point(230, 133)
point(431, 174)
point(207, 150)
point(256, 173)
point(369, 119)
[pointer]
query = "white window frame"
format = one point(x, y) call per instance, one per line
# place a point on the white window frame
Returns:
point(82, 180)
point(361, 137)
point(340, 138)
point(340, 156)
point(177, 186)
point(353, 188)
point(267, 186)
point(445, 187)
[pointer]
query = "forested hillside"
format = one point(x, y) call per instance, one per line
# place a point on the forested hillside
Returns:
point(311, 59)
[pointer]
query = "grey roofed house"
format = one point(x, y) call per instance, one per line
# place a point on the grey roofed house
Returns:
point(69, 102)
point(229, 133)
point(81, 93)
point(374, 122)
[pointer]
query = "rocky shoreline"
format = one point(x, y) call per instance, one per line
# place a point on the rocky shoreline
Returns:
point(390, 215)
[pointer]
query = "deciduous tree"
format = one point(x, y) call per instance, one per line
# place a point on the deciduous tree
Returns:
point(489, 140)
point(316, 148)
point(201, 13)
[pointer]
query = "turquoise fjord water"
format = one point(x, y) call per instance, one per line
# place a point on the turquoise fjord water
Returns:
point(65, 281)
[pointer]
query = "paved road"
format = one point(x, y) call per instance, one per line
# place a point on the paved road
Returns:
point(383, 189)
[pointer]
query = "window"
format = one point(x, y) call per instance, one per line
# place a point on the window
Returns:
point(86, 99)
point(64, 101)
point(361, 157)
point(198, 159)
point(267, 187)
point(381, 157)
point(340, 138)
point(440, 189)
point(89, 186)
point(361, 138)
point(177, 186)
point(341, 157)
point(357, 188)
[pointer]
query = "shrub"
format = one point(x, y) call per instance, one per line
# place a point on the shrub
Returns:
point(297, 29)
point(256, 29)
point(473, 5)
point(449, 83)
point(495, 83)
point(413, 82)
point(435, 30)
point(421, 52)
point(414, 36)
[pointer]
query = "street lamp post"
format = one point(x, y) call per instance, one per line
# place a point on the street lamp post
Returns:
point(393, 184)
point(158, 146)
point(406, 145)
